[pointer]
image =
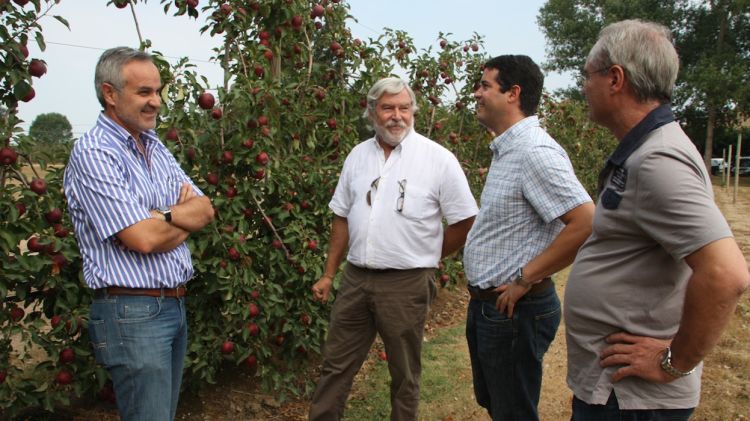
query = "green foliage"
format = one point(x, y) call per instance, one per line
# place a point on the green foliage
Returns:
point(712, 38)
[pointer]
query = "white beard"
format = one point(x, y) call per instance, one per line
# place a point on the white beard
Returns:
point(383, 134)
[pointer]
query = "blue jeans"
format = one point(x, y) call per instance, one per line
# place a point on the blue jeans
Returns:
point(611, 412)
point(506, 354)
point(142, 342)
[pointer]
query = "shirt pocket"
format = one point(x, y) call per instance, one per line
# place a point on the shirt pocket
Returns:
point(416, 203)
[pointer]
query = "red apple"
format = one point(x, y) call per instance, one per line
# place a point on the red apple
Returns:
point(231, 192)
point(312, 245)
point(21, 208)
point(212, 179)
point(444, 279)
point(67, 355)
point(38, 186)
point(383, 356)
point(21, 3)
point(121, 4)
point(268, 54)
point(24, 50)
point(172, 134)
point(251, 361)
point(280, 340)
point(227, 157)
point(8, 156)
point(190, 153)
point(2, 376)
point(216, 113)
point(226, 9)
point(262, 120)
point(259, 71)
point(60, 231)
point(233, 254)
point(227, 347)
point(262, 158)
point(206, 100)
point(54, 216)
point(64, 377)
point(296, 21)
point(59, 260)
point(34, 246)
point(305, 319)
point(255, 294)
point(55, 321)
point(317, 11)
point(16, 314)
point(253, 309)
point(331, 122)
point(248, 143)
point(37, 68)
point(253, 329)
point(192, 3)
point(276, 244)
point(29, 96)
point(443, 43)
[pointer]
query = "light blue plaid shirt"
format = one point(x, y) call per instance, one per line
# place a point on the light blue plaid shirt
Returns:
point(530, 184)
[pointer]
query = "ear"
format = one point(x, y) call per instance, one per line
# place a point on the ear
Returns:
point(616, 76)
point(514, 93)
point(108, 92)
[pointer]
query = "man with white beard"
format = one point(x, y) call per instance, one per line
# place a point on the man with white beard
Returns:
point(392, 195)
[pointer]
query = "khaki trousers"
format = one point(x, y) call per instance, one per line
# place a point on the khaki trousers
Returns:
point(393, 304)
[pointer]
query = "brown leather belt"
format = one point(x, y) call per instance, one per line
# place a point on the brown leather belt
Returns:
point(178, 292)
point(380, 270)
point(489, 294)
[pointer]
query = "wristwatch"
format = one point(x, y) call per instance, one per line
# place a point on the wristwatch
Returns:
point(166, 211)
point(666, 365)
point(520, 280)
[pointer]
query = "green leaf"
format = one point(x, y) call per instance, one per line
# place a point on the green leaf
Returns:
point(40, 41)
point(62, 20)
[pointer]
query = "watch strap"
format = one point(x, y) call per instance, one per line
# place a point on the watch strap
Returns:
point(666, 365)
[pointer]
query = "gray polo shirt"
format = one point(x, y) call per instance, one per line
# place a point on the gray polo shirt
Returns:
point(630, 275)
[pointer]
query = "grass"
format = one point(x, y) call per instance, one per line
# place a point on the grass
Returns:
point(446, 383)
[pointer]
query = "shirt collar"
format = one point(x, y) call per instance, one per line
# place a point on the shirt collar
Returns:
point(658, 117)
point(400, 147)
point(123, 135)
point(513, 132)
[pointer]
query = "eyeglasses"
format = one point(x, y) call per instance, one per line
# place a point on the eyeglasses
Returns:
point(584, 76)
point(373, 186)
point(401, 193)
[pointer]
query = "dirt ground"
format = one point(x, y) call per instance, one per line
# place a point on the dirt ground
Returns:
point(725, 395)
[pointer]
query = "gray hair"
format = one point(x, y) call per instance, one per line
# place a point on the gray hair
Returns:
point(645, 50)
point(388, 85)
point(109, 68)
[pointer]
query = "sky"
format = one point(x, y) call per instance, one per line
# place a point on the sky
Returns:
point(508, 27)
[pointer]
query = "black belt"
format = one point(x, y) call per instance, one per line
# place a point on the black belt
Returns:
point(178, 292)
point(489, 294)
point(380, 271)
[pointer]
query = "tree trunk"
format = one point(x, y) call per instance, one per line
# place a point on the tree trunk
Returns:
point(708, 151)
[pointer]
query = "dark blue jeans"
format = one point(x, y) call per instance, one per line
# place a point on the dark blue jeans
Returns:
point(611, 412)
point(506, 354)
point(142, 342)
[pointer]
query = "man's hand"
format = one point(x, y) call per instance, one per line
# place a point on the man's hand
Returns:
point(509, 296)
point(322, 288)
point(639, 356)
point(186, 193)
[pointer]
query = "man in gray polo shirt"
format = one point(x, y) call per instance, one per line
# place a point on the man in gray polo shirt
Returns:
point(657, 281)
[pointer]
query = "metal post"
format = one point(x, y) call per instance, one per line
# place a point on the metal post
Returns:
point(723, 169)
point(737, 168)
point(729, 168)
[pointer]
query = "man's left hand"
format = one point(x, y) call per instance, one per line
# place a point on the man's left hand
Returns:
point(509, 296)
point(638, 356)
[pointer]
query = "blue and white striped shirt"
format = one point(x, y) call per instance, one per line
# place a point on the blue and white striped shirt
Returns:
point(531, 183)
point(109, 187)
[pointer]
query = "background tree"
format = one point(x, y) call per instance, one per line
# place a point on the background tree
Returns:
point(712, 38)
point(51, 129)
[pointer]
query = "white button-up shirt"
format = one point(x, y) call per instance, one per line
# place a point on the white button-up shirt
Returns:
point(401, 228)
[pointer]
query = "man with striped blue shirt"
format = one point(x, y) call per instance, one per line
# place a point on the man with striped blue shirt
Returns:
point(132, 208)
point(534, 215)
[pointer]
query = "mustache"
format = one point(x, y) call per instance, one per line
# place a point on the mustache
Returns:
point(400, 124)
